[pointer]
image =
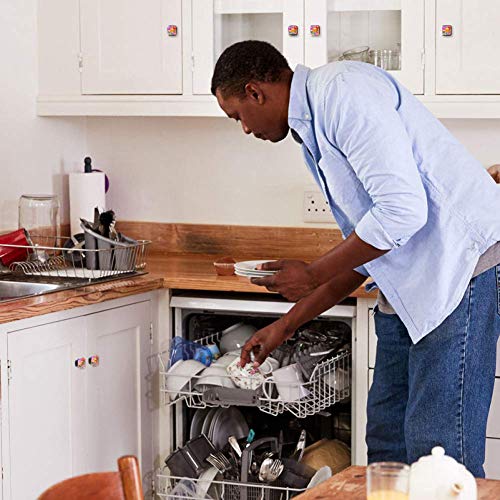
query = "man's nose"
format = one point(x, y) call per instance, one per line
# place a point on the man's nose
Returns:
point(245, 129)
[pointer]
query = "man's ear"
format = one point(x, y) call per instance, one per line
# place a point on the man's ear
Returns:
point(255, 93)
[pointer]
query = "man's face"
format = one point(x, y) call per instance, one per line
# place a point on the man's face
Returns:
point(263, 111)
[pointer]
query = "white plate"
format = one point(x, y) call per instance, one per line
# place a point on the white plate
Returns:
point(321, 475)
point(208, 420)
point(251, 265)
point(197, 422)
point(254, 273)
point(230, 422)
point(179, 375)
point(250, 276)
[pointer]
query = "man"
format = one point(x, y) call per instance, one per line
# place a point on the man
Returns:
point(419, 215)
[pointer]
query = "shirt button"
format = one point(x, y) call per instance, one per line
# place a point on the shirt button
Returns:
point(307, 116)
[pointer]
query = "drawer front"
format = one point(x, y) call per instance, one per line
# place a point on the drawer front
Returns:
point(493, 429)
point(372, 340)
point(492, 462)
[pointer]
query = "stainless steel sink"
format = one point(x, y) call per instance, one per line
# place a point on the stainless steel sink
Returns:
point(11, 290)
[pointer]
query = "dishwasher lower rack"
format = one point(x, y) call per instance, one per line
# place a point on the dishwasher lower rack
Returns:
point(169, 487)
point(329, 384)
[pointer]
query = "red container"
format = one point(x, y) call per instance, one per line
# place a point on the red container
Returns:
point(8, 255)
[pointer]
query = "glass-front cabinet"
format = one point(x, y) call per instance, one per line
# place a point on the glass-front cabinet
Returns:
point(217, 24)
point(387, 33)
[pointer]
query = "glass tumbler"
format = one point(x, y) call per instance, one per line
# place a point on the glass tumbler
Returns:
point(39, 215)
point(387, 481)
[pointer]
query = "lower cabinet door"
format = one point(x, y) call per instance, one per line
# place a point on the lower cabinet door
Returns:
point(118, 417)
point(492, 462)
point(46, 406)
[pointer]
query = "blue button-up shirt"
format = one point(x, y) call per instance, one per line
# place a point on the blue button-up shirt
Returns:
point(393, 173)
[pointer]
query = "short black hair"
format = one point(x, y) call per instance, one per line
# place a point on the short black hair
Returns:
point(246, 61)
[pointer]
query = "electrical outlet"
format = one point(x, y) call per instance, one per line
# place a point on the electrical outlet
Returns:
point(316, 208)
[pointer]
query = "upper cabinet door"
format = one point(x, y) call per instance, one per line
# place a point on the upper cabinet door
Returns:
point(217, 24)
point(131, 47)
point(388, 33)
point(467, 47)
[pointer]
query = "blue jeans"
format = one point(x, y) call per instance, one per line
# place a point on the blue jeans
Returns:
point(438, 391)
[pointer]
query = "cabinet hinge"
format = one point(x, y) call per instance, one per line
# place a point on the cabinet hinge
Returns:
point(151, 333)
point(9, 370)
point(192, 62)
point(423, 58)
point(153, 491)
point(80, 62)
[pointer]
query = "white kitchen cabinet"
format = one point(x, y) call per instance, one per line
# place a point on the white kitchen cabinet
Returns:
point(217, 24)
point(117, 386)
point(372, 340)
point(467, 59)
point(335, 26)
point(46, 406)
point(493, 429)
point(131, 47)
point(68, 417)
point(492, 461)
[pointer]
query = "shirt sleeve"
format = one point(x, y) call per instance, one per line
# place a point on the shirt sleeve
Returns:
point(363, 123)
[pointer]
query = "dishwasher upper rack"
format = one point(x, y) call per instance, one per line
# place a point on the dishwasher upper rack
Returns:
point(329, 384)
point(56, 261)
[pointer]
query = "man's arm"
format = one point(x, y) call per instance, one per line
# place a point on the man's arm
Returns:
point(325, 296)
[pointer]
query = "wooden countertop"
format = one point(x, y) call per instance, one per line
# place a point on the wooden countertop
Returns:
point(350, 484)
point(174, 271)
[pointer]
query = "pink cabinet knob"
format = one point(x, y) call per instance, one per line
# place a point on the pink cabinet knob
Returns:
point(172, 30)
point(80, 363)
point(315, 30)
point(94, 360)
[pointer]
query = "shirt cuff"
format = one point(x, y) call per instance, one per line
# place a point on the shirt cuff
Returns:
point(362, 270)
point(371, 231)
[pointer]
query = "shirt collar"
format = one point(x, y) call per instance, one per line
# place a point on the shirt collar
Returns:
point(298, 106)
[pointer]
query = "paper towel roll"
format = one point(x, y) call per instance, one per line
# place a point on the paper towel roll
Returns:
point(86, 191)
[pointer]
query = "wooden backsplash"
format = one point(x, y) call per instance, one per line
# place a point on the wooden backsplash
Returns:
point(239, 241)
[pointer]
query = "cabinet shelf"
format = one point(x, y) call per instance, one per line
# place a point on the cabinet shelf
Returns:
point(363, 5)
point(248, 6)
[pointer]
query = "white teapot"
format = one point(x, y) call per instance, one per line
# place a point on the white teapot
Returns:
point(440, 477)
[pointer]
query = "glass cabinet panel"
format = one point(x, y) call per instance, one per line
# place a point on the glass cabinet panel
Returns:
point(217, 24)
point(387, 33)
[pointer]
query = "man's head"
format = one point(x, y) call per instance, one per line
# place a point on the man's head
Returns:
point(251, 81)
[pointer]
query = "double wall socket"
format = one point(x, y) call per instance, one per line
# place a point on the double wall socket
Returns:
point(316, 208)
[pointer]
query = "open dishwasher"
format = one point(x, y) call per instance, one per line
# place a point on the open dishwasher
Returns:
point(292, 426)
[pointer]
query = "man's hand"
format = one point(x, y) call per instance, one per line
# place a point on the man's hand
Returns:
point(293, 279)
point(264, 342)
point(494, 171)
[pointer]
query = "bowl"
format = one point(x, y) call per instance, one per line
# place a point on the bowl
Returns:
point(235, 337)
point(224, 266)
point(179, 375)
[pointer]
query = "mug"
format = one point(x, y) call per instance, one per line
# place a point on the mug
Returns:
point(268, 366)
point(289, 382)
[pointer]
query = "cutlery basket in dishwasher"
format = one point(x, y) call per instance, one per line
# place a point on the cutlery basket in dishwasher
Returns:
point(171, 487)
point(302, 377)
point(70, 258)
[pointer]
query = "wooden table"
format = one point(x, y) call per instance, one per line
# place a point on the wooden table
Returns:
point(350, 484)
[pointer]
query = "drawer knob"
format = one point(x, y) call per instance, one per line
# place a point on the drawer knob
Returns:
point(315, 30)
point(80, 363)
point(293, 30)
point(94, 360)
point(172, 30)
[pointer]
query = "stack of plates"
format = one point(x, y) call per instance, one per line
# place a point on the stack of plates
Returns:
point(248, 269)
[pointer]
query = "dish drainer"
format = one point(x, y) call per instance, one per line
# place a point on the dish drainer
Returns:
point(227, 490)
point(54, 260)
point(328, 384)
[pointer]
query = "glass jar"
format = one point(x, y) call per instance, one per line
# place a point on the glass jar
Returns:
point(387, 481)
point(39, 215)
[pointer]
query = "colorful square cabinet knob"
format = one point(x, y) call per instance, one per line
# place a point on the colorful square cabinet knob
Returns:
point(447, 30)
point(172, 30)
point(293, 30)
point(315, 30)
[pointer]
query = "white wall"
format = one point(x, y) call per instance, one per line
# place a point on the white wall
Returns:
point(34, 152)
point(205, 170)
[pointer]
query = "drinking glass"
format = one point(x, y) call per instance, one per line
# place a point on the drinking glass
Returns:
point(387, 481)
point(39, 215)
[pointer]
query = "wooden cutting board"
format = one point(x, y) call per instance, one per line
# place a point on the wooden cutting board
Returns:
point(350, 484)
